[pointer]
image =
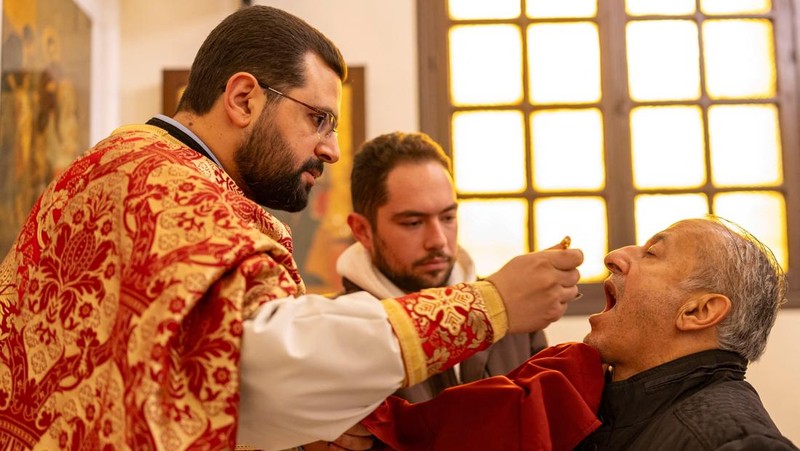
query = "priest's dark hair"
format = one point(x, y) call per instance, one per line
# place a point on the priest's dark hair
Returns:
point(266, 42)
point(378, 157)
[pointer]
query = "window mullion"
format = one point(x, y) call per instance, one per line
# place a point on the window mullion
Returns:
point(616, 107)
point(785, 27)
point(434, 89)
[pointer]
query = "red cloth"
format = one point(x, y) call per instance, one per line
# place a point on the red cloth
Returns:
point(547, 403)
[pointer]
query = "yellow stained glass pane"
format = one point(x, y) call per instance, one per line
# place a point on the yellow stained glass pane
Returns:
point(546, 9)
point(493, 231)
point(564, 159)
point(564, 62)
point(739, 59)
point(667, 147)
point(745, 145)
point(485, 64)
point(584, 219)
point(659, 7)
point(656, 212)
point(735, 6)
point(481, 9)
point(489, 152)
point(762, 213)
point(663, 60)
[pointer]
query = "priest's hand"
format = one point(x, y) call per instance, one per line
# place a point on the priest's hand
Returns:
point(356, 438)
point(537, 287)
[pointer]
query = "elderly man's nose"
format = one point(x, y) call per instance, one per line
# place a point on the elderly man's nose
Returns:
point(618, 261)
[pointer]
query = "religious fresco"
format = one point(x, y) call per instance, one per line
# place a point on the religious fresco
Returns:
point(44, 101)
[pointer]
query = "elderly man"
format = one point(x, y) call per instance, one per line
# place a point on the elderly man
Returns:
point(685, 313)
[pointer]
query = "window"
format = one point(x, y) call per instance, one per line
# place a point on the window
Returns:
point(608, 121)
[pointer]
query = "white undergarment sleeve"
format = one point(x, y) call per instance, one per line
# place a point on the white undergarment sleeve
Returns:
point(312, 367)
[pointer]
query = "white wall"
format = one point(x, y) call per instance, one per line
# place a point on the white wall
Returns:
point(380, 35)
point(157, 35)
point(104, 102)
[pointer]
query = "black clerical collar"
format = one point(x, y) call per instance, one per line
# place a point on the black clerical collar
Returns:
point(181, 136)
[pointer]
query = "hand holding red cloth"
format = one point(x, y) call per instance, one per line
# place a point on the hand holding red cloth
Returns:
point(547, 403)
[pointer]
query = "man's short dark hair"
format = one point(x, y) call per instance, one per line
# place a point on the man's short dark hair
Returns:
point(375, 160)
point(266, 42)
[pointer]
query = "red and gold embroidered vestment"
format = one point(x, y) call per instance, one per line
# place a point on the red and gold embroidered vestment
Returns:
point(124, 299)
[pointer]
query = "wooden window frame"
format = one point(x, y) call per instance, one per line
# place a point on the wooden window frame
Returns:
point(436, 112)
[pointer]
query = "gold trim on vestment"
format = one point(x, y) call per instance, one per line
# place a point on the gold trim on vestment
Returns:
point(495, 308)
point(414, 358)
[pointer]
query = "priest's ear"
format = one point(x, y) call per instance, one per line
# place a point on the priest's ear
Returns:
point(242, 99)
point(361, 229)
point(703, 311)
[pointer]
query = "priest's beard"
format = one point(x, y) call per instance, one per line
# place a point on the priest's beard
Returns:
point(266, 165)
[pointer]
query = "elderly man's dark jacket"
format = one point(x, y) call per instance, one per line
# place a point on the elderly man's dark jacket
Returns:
point(697, 402)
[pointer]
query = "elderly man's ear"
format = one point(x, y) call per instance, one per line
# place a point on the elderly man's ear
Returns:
point(702, 312)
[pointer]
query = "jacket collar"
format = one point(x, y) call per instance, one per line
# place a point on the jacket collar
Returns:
point(648, 393)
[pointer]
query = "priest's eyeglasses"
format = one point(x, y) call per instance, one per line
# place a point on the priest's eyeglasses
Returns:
point(326, 122)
